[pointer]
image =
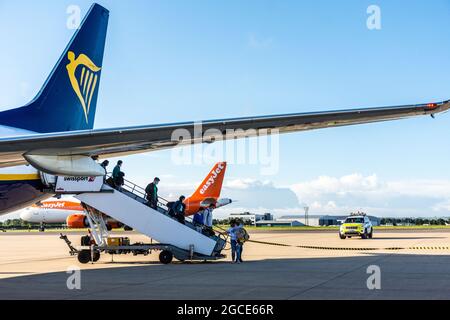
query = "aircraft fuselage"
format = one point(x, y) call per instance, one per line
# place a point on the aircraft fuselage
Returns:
point(20, 186)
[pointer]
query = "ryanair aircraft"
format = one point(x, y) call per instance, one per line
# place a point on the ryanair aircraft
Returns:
point(54, 133)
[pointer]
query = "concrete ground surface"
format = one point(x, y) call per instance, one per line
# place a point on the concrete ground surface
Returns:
point(34, 266)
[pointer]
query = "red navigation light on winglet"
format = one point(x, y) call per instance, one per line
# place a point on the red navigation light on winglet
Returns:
point(432, 105)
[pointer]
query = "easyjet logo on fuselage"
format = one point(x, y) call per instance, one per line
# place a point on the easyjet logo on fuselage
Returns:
point(53, 205)
point(212, 178)
point(68, 205)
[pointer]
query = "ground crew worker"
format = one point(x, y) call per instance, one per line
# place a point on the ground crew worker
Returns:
point(151, 192)
point(240, 225)
point(235, 248)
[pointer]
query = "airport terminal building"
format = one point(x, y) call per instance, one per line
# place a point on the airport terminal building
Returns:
point(251, 218)
point(279, 223)
point(268, 220)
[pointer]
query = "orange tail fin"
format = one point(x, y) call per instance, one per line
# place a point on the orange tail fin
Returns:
point(212, 184)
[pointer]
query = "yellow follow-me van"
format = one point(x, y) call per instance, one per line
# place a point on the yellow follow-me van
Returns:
point(357, 224)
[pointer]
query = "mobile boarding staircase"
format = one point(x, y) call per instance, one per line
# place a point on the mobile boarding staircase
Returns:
point(128, 206)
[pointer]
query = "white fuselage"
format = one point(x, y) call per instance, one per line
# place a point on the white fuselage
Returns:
point(52, 211)
point(45, 215)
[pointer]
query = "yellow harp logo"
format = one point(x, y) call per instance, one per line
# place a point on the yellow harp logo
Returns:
point(84, 85)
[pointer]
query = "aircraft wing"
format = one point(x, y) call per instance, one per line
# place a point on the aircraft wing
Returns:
point(131, 140)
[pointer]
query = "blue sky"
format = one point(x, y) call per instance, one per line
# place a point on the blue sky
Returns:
point(169, 61)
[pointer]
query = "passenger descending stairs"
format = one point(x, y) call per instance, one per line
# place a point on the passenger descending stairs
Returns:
point(130, 208)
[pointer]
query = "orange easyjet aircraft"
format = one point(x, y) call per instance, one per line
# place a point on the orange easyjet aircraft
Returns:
point(72, 213)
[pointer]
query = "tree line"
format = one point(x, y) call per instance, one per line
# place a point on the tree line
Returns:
point(415, 221)
point(21, 224)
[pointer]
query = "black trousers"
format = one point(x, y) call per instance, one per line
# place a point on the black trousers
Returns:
point(153, 204)
point(180, 218)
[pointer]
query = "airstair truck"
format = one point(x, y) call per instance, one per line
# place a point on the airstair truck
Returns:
point(128, 205)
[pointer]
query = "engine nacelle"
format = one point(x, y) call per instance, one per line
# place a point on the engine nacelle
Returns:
point(71, 165)
point(77, 221)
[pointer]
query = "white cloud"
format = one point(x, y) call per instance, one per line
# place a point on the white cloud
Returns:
point(410, 197)
point(255, 195)
point(239, 183)
point(353, 183)
point(247, 183)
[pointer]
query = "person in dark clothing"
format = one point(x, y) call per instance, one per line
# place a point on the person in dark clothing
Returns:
point(117, 168)
point(198, 218)
point(118, 175)
point(104, 165)
point(151, 193)
point(120, 181)
point(179, 207)
point(170, 208)
point(198, 221)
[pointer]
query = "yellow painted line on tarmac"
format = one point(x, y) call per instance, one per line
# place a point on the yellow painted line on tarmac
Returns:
point(351, 248)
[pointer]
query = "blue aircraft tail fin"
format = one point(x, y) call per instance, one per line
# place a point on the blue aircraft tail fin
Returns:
point(68, 98)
